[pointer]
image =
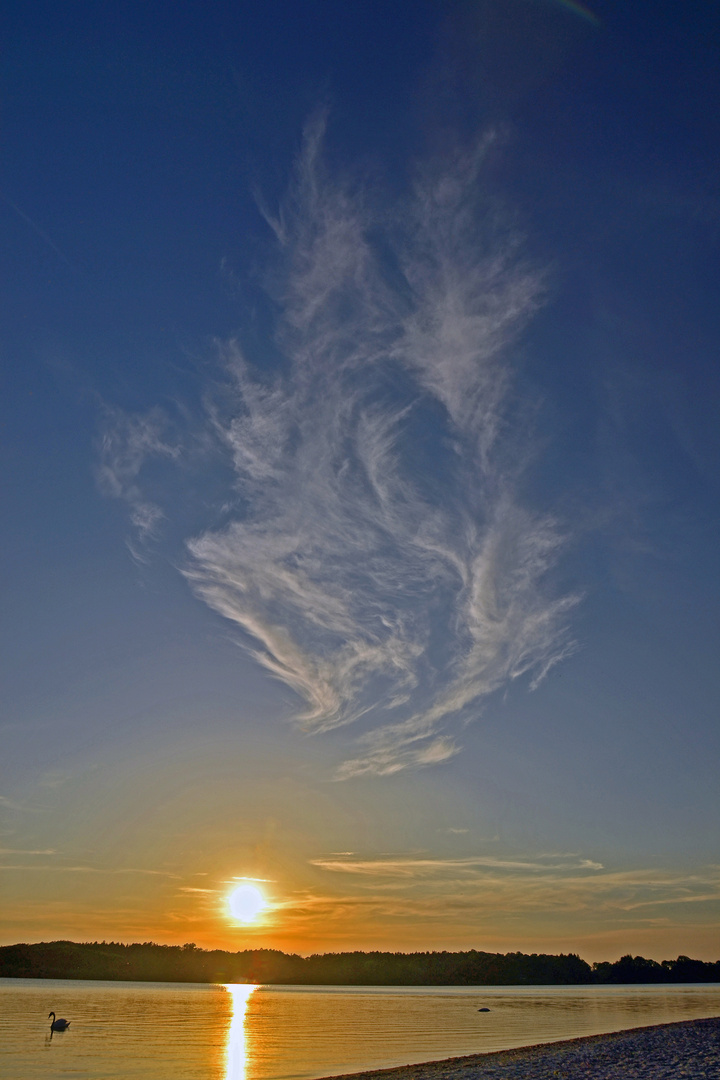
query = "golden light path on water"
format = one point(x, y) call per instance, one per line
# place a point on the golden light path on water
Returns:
point(236, 1061)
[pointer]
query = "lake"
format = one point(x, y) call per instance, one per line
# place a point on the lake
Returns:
point(189, 1031)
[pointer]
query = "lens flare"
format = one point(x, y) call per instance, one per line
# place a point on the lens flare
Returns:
point(581, 10)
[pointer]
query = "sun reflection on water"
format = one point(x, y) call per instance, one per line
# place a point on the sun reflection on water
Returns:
point(236, 1042)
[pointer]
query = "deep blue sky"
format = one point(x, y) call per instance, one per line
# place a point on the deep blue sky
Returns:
point(149, 151)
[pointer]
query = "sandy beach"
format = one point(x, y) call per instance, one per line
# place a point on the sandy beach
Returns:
point(689, 1050)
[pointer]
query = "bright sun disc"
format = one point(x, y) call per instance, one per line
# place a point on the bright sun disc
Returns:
point(246, 903)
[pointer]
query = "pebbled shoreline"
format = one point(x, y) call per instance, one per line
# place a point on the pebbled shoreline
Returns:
point(686, 1050)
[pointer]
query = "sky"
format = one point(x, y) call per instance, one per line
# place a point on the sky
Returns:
point(360, 474)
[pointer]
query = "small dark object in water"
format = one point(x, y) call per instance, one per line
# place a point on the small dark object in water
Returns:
point(484, 1009)
point(58, 1025)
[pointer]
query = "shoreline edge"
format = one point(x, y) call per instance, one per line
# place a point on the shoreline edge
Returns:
point(687, 1048)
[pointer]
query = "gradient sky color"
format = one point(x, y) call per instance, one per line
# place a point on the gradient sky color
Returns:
point(360, 468)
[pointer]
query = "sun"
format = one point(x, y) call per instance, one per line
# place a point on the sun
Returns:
point(246, 902)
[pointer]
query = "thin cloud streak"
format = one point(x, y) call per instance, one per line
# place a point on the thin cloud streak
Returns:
point(409, 867)
point(382, 566)
point(492, 896)
point(55, 869)
point(36, 228)
point(24, 851)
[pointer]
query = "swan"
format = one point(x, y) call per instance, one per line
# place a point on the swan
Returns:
point(58, 1025)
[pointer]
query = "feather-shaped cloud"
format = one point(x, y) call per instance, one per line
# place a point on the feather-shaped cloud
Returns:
point(382, 564)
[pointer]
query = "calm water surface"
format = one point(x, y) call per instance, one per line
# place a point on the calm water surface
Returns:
point(181, 1031)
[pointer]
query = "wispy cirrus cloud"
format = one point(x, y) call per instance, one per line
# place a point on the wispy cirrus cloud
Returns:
point(568, 883)
point(57, 868)
point(382, 564)
point(10, 804)
point(27, 851)
point(127, 442)
point(477, 893)
point(409, 867)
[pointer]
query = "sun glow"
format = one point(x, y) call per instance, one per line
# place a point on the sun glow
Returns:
point(246, 902)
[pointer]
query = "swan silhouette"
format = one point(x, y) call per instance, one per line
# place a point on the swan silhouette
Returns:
point(58, 1025)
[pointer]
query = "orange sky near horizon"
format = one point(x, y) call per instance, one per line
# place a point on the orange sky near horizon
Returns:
point(334, 877)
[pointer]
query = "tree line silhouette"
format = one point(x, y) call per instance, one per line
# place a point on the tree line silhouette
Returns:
point(149, 962)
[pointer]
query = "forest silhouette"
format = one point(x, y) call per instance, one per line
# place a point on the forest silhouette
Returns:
point(149, 962)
